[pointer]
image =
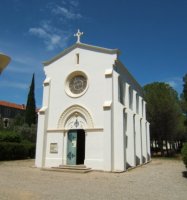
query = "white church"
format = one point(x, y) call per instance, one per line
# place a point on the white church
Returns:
point(93, 112)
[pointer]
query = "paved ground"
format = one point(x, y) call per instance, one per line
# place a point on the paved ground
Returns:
point(159, 180)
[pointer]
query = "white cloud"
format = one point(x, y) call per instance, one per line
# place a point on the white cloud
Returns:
point(18, 69)
point(67, 13)
point(23, 64)
point(14, 85)
point(175, 82)
point(172, 83)
point(74, 3)
point(51, 36)
point(24, 59)
point(54, 41)
point(39, 32)
point(50, 29)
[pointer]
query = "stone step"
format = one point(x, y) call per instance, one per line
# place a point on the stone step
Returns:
point(70, 169)
point(72, 166)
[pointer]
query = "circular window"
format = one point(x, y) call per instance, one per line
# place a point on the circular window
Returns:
point(76, 84)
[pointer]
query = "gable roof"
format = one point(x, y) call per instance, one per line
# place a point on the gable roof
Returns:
point(82, 46)
point(12, 105)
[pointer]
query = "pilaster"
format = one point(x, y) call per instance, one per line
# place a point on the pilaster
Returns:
point(148, 141)
point(108, 124)
point(138, 140)
point(144, 141)
point(144, 110)
point(42, 126)
point(134, 101)
point(126, 95)
point(130, 144)
point(140, 106)
point(118, 132)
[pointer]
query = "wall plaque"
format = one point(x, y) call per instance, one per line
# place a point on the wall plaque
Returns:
point(53, 148)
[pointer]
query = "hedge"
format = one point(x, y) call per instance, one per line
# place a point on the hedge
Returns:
point(184, 154)
point(9, 136)
point(16, 151)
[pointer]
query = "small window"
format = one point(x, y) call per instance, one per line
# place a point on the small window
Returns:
point(6, 122)
point(77, 58)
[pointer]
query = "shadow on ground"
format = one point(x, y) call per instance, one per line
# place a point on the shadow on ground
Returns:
point(184, 174)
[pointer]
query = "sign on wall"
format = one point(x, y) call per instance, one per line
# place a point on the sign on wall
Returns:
point(53, 148)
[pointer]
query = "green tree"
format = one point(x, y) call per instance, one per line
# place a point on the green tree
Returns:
point(19, 120)
point(184, 98)
point(163, 113)
point(185, 87)
point(30, 113)
point(27, 132)
point(184, 106)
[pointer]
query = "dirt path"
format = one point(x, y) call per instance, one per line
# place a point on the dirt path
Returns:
point(159, 180)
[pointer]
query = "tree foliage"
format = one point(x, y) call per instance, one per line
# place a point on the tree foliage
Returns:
point(19, 120)
point(184, 99)
point(184, 154)
point(185, 87)
point(15, 151)
point(10, 136)
point(30, 113)
point(27, 132)
point(163, 113)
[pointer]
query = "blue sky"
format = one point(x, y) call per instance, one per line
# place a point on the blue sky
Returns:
point(151, 35)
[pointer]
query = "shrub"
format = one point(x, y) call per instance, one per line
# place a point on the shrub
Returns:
point(10, 136)
point(14, 151)
point(184, 154)
point(27, 132)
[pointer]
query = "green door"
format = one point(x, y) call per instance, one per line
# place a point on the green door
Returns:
point(72, 148)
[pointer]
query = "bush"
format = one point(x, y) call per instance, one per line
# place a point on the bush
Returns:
point(27, 132)
point(184, 154)
point(14, 151)
point(10, 136)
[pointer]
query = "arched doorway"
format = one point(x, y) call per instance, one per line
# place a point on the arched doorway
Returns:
point(76, 119)
point(76, 147)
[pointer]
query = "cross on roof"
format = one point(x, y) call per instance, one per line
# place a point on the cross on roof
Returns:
point(78, 35)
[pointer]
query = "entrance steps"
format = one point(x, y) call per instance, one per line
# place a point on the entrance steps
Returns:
point(71, 168)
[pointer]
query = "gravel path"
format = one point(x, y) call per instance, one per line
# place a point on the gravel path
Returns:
point(159, 180)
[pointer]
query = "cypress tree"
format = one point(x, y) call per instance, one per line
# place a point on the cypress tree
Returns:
point(30, 113)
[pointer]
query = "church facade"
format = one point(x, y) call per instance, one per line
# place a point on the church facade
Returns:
point(93, 112)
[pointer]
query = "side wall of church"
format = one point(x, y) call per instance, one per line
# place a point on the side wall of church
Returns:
point(134, 127)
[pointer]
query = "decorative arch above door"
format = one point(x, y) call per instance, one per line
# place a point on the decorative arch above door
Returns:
point(75, 117)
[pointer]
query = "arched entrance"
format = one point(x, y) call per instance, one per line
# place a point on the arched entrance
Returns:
point(75, 120)
point(76, 147)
